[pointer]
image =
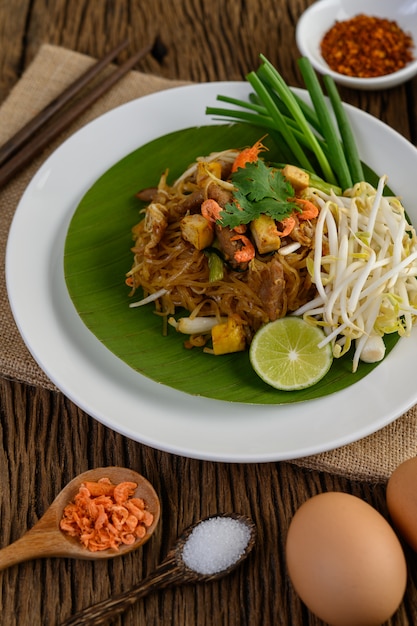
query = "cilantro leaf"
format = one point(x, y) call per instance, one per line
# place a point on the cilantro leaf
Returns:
point(258, 181)
point(259, 189)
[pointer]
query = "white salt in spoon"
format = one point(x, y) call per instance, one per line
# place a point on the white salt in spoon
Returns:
point(207, 550)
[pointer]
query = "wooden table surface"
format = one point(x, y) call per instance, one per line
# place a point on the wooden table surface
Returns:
point(45, 439)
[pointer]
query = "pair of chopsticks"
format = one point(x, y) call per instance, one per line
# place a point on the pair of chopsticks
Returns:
point(32, 138)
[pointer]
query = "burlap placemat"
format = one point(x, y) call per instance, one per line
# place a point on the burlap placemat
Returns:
point(373, 458)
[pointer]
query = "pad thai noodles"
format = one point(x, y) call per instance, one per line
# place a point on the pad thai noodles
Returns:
point(234, 243)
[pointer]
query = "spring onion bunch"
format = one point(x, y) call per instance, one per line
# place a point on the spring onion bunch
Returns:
point(315, 137)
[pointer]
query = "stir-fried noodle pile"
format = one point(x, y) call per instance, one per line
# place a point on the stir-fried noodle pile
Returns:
point(253, 291)
point(349, 265)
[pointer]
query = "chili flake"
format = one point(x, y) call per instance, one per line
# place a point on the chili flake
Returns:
point(366, 46)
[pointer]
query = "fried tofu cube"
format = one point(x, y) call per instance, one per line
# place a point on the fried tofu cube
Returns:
point(265, 233)
point(204, 169)
point(297, 177)
point(228, 337)
point(197, 230)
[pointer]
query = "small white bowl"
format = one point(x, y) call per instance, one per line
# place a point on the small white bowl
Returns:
point(321, 16)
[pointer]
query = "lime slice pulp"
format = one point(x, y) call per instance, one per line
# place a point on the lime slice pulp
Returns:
point(285, 354)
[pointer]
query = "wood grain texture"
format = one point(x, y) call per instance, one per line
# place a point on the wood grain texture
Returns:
point(45, 439)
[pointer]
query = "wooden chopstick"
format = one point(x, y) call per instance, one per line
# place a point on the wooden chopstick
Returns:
point(20, 149)
point(14, 143)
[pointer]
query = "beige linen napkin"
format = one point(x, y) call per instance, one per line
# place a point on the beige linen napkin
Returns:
point(373, 458)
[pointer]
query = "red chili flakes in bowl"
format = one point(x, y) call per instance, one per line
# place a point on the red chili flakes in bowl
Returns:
point(104, 515)
point(366, 47)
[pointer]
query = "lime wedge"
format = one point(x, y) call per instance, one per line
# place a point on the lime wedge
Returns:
point(285, 354)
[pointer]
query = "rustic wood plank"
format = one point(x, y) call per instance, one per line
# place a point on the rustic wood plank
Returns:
point(50, 426)
point(202, 41)
point(12, 34)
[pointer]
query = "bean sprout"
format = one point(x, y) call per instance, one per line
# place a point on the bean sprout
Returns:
point(364, 268)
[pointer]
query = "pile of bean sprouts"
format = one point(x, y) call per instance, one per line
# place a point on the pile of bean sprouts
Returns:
point(364, 268)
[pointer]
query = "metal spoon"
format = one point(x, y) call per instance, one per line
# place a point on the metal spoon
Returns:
point(172, 571)
point(46, 539)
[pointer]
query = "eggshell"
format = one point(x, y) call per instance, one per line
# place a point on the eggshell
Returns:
point(345, 561)
point(402, 500)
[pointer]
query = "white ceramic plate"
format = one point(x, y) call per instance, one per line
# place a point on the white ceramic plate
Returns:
point(320, 17)
point(116, 395)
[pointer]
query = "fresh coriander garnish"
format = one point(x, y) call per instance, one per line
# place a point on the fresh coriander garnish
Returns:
point(259, 190)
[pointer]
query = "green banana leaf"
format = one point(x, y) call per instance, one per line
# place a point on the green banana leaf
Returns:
point(98, 255)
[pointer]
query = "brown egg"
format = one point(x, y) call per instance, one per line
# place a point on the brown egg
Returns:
point(345, 561)
point(402, 500)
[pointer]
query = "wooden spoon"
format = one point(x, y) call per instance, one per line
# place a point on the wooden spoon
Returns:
point(172, 571)
point(46, 539)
